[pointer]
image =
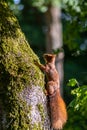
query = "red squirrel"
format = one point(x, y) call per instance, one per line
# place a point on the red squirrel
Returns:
point(57, 105)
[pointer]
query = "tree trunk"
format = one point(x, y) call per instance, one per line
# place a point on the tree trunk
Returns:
point(23, 104)
point(54, 37)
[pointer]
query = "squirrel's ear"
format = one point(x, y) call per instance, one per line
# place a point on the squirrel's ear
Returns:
point(49, 55)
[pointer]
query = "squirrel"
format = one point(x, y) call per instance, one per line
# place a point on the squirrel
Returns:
point(57, 105)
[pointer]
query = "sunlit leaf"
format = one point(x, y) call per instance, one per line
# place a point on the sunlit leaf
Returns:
point(72, 82)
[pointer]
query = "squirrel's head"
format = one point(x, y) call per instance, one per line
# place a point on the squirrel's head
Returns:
point(49, 58)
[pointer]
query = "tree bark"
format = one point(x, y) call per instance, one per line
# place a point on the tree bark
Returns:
point(54, 37)
point(23, 104)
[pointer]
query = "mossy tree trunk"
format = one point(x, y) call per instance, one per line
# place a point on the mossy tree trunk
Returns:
point(22, 100)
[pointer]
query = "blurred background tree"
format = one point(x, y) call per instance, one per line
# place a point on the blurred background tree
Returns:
point(71, 35)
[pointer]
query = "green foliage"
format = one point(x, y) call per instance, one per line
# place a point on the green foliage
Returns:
point(72, 82)
point(80, 93)
point(75, 25)
point(72, 3)
point(77, 108)
point(42, 5)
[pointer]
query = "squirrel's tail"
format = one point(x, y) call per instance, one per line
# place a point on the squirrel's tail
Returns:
point(57, 125)
point(58, 112)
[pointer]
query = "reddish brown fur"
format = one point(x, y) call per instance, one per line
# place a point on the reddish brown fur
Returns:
point(57, 105)
point(57, 108)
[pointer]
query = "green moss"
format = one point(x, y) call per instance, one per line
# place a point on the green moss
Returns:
point(17, 71)
point(41, 110)
point(37, 127)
